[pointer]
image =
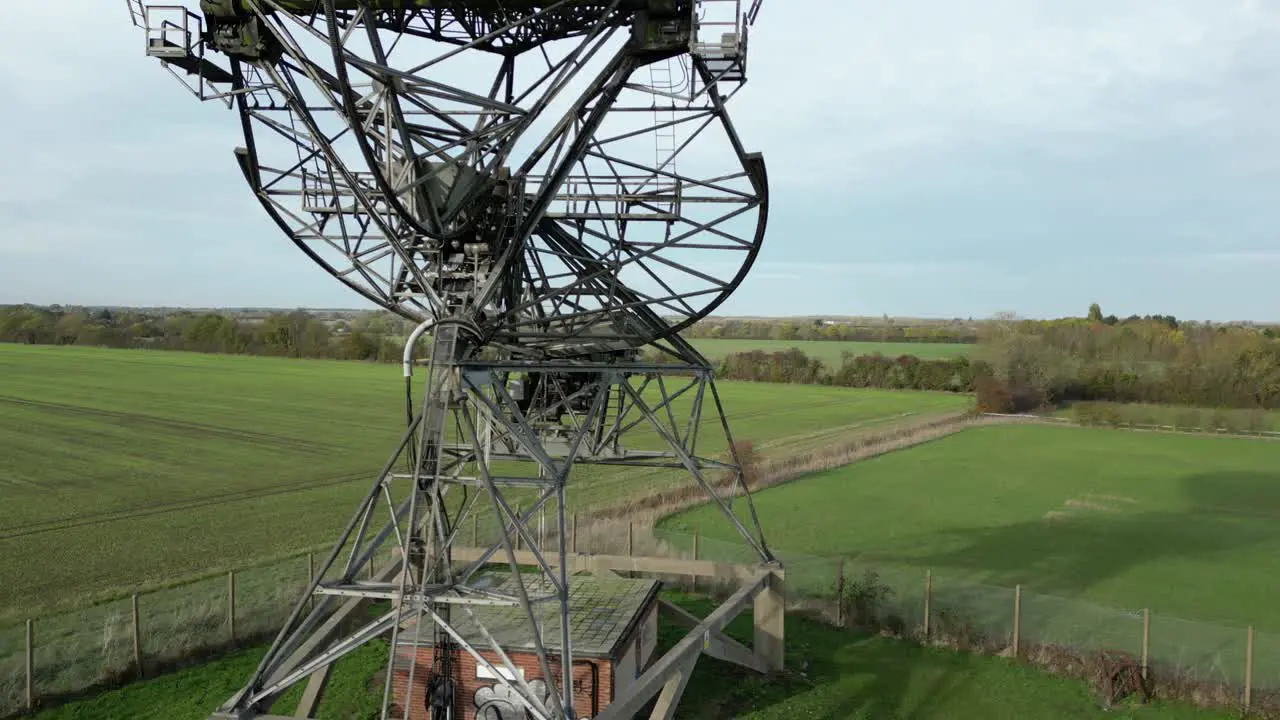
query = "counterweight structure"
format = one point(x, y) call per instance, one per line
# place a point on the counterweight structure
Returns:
point(549, 188)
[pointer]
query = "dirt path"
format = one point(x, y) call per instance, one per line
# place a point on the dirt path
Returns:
point(804, 455)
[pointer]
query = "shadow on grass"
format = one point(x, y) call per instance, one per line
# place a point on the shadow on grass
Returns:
point(845, 675)
point(1242, 494)
point(1099, 537)
point(833, 674)
point(192, 693)
point(838, 674)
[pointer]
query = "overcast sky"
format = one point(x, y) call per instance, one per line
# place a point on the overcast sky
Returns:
point(927, 158)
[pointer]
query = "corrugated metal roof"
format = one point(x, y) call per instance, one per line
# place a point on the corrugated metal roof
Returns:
point(602, 612)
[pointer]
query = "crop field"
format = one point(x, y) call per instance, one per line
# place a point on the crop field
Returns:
point(1184, 525)
point(123, 469)
point(831, 352)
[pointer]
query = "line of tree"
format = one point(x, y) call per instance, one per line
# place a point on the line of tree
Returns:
point(379, 337)
point(1019, 365)
point(1023, 365)
point(906, 372)
point(889, 329)
point(296, 334)
point(885, 330)
point(1034, 363)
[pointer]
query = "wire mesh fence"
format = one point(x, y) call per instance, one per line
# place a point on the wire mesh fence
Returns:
point(920, 603)
point(176, 622)
point(70, 653)
point(266, 595)
point(151, 632)
point(1068, 622)
point(74, 651)
point(1266, 661)
point(1200, 651)
point(13, 668)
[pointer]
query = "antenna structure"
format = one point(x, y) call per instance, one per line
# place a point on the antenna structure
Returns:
point(549, 189)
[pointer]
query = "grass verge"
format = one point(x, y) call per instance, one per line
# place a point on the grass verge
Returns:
point(833, 674)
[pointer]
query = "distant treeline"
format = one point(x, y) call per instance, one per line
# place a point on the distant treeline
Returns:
point(1034, 363)
point(297, 334)
point(379, 337)
point(1018, 365)
point(1023, 365)
point(907, 372)
point(886, 330)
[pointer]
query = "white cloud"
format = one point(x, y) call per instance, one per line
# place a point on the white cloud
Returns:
point(889, 270)
point(906, 140)
point(1254, 259)
point(875, 80)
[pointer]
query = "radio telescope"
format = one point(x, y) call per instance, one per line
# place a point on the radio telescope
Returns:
point(550, 188)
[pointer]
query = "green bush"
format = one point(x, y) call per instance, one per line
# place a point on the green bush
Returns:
point(862, 599)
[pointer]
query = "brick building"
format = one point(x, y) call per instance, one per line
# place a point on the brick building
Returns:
point(613, 625)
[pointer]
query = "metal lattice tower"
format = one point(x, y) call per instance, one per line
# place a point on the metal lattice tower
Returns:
point(500, 172)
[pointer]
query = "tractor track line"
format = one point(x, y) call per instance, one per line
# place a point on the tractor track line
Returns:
point(78, 521)
point(167, 423)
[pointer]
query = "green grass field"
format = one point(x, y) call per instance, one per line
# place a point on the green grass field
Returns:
point(831, 352)
point(123, 469)
point(852, 677)
point(1183, 525)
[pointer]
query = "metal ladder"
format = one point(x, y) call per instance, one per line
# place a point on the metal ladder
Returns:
point(137, 13)
point(665, 139)
point(435, 412)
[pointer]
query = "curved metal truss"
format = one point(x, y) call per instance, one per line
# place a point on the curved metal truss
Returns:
point(547, 187)
point(594, 197)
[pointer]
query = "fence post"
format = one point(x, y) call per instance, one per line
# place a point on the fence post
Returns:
point(475, 531)
point(516, 527)
point(574, 546)
point(840, 592)
point(631, 539)
point(31, 669)
point(1017, 619)
point(137, 638)
point(694, 577)
point(231, 605)
point(928, 600)
point(1248, 671)
point(1146, 641)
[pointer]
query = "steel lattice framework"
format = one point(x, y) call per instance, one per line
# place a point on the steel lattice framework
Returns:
point(547, 187)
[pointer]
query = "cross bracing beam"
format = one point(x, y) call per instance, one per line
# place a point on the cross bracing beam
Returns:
point(421, 516)
point(520, 210)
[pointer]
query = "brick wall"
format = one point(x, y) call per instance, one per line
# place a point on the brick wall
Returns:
point(470, 689)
